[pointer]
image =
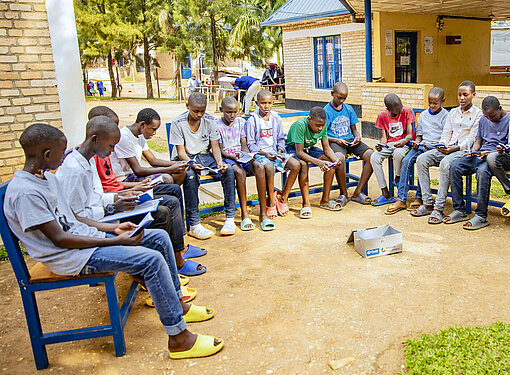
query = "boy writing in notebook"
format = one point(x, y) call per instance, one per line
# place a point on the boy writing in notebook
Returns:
point(41, 218)
point(397, 130)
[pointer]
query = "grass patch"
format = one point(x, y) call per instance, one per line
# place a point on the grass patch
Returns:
point(207, 205)
point(154, 145)
point(3, 253)
point(461, 350)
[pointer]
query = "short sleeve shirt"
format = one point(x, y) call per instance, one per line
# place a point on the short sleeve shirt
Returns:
point(230, 136)
point(129, 146)
point(195, 143)
point(493, 133)
point(395, 127)
point(430, 125)
point(266, 141)
point(107, 175)
point(339, 122)
point(31, 201)
point(299, 132)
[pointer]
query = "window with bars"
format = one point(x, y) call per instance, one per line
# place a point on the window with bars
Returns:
point(328, 61)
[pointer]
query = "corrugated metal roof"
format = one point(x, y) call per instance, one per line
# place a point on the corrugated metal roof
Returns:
point(300, 10)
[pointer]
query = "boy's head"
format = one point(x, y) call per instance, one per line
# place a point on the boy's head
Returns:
point(103, 133)
point(436, 99)
point(466, 94)
point(102, 110)
point(339, 93)
point(265, 101)
point(316, 119)
point(149, 121)
point(43, 144)
point(229, 107)
point(197, 104)
point(492, 108)
point(393, 104)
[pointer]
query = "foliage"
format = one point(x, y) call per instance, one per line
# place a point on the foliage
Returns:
point(459, 350)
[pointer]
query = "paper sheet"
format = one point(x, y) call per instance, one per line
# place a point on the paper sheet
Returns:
point(146, 221)
point(143, 208)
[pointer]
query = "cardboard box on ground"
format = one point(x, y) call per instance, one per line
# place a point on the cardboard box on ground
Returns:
point(374, 242)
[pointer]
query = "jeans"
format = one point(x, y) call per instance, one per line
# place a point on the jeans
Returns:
point(434, 158)
point(465, 166)
point(378, 157)
point(499, 164)
point(405, 173)
point(153, 261)
point(192, 183)
point(171, 198)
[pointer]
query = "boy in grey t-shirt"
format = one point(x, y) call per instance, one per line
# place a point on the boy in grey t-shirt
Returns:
point(41, 218)
point(195, 137)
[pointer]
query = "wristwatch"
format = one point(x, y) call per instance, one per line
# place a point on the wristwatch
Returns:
point(110, 209)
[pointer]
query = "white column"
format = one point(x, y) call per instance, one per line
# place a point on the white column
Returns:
point(64, 42)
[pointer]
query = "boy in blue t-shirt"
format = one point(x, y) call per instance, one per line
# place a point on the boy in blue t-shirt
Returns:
point(345, 139)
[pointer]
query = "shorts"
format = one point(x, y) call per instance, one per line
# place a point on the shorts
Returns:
point(314, 152)
point(134, 178)
point(277, 163)
point(245, 166)
point(357, 150)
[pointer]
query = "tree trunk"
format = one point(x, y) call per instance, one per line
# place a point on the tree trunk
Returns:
point(112, 75)
point(215, 48)
point(85, 80)
point(147, 62)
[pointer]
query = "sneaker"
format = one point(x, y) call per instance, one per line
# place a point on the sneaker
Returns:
point(229, 228)
point(200, 232)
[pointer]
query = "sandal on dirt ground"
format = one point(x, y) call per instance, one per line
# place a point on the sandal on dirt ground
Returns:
point(395, 207)
point(332, 206)
point(271, 212)
point(194, 252)
point(414, 205)
point(421, 211)
point(281, 207)
point(343, 200)
point(247, 224)
point(455, 217)
point(476, 223)
point(188, 295)
point(305, 213)
point(362, 199)
point(184, 280)
point(204, 346)
point(436, 217)
point(198, 314)
point(267, 225)
point(190, 268)
point(505, 210)
point(382, 200)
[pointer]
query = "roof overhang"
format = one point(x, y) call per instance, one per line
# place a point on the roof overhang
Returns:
point(269, 22)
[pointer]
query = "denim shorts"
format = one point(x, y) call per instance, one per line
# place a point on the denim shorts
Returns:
point(245, 166)
point(314, 152)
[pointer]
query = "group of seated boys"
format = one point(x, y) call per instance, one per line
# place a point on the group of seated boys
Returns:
point(59, 217)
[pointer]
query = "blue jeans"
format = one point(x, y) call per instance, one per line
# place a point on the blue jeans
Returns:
point(466, 167)
point(192, 183)
point(171, 198)
point(153, 260)
point(405, 173)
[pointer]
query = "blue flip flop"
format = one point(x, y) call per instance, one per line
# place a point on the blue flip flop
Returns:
point(194, 252)
point(382, 201)
point(190, 269)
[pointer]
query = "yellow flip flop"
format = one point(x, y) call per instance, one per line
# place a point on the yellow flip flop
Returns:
point(184, 280)
point(505, 210)
point(204, 347)
point(188, 294)
point(198, 314)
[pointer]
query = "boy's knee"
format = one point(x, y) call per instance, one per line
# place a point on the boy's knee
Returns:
point(340, 156)
point(367, 155)
point(492, 160)
point(268, 167)
point(376, 158)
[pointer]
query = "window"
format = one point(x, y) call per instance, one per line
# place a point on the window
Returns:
point(328, 61)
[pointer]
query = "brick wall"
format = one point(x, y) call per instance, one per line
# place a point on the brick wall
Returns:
point(413, 95)
point(500, 92)
point(319, 22)
point(28, 90)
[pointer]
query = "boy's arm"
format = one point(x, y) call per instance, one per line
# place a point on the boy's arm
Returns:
point(176, 167)
point(328, 151)
point(67, 240)
point(216, 153)
point(244, 145)
point(251, 139)
point(224, 154)
point(407, 138)
point(281, 136)
point(154, 161)
point(300, 153)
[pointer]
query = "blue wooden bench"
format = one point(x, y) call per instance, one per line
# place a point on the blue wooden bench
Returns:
point(352, 180)
point(40, 278)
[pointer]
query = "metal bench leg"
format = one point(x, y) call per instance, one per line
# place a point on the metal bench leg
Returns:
point(365, 190)
point(34, 329)
point(115, 321)
point(347, 170)
point(469, 188)
point(391, 180)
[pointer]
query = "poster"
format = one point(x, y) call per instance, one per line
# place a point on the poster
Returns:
point(388, 42)
point(429, 45)
point(405, 60)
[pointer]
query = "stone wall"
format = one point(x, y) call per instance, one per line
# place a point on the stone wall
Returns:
point(500, 92)
point(28, 90)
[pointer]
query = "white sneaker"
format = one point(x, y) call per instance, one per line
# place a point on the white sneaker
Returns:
point(200, 232)
point(229, 228)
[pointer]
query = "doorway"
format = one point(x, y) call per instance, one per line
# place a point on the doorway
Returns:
point(405, 56)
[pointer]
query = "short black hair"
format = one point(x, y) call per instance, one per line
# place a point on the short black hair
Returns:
point(264, 94)
point(197, 98)
point(436, 92)
point(490, 102)
point(229, 100)
point(39, 135)
point(101, 125)
point(392, 100)
point(318, 113)
point(340, 87)
point(147, 115)
point(102, 110)
point(469, 84)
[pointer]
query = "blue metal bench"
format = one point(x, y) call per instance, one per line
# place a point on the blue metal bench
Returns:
point(252, 202)
point(40, 278)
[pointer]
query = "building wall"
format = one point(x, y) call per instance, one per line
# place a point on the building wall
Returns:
point(449, 65)
point(500, 92)
point(28, 90)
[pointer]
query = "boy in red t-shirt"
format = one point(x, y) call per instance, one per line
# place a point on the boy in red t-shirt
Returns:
point(397, 130)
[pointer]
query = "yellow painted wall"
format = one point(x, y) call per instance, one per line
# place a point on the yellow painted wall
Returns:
point(449, 65)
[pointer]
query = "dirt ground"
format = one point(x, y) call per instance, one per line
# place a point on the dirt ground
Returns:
point(289, 301)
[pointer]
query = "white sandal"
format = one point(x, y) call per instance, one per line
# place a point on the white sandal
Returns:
point(229, 228)
point(304, 211)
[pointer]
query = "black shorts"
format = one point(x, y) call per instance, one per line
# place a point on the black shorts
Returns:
point(357, 150)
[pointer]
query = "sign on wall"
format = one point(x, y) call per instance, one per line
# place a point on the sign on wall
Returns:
point(389, 42)
point(428, 42)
